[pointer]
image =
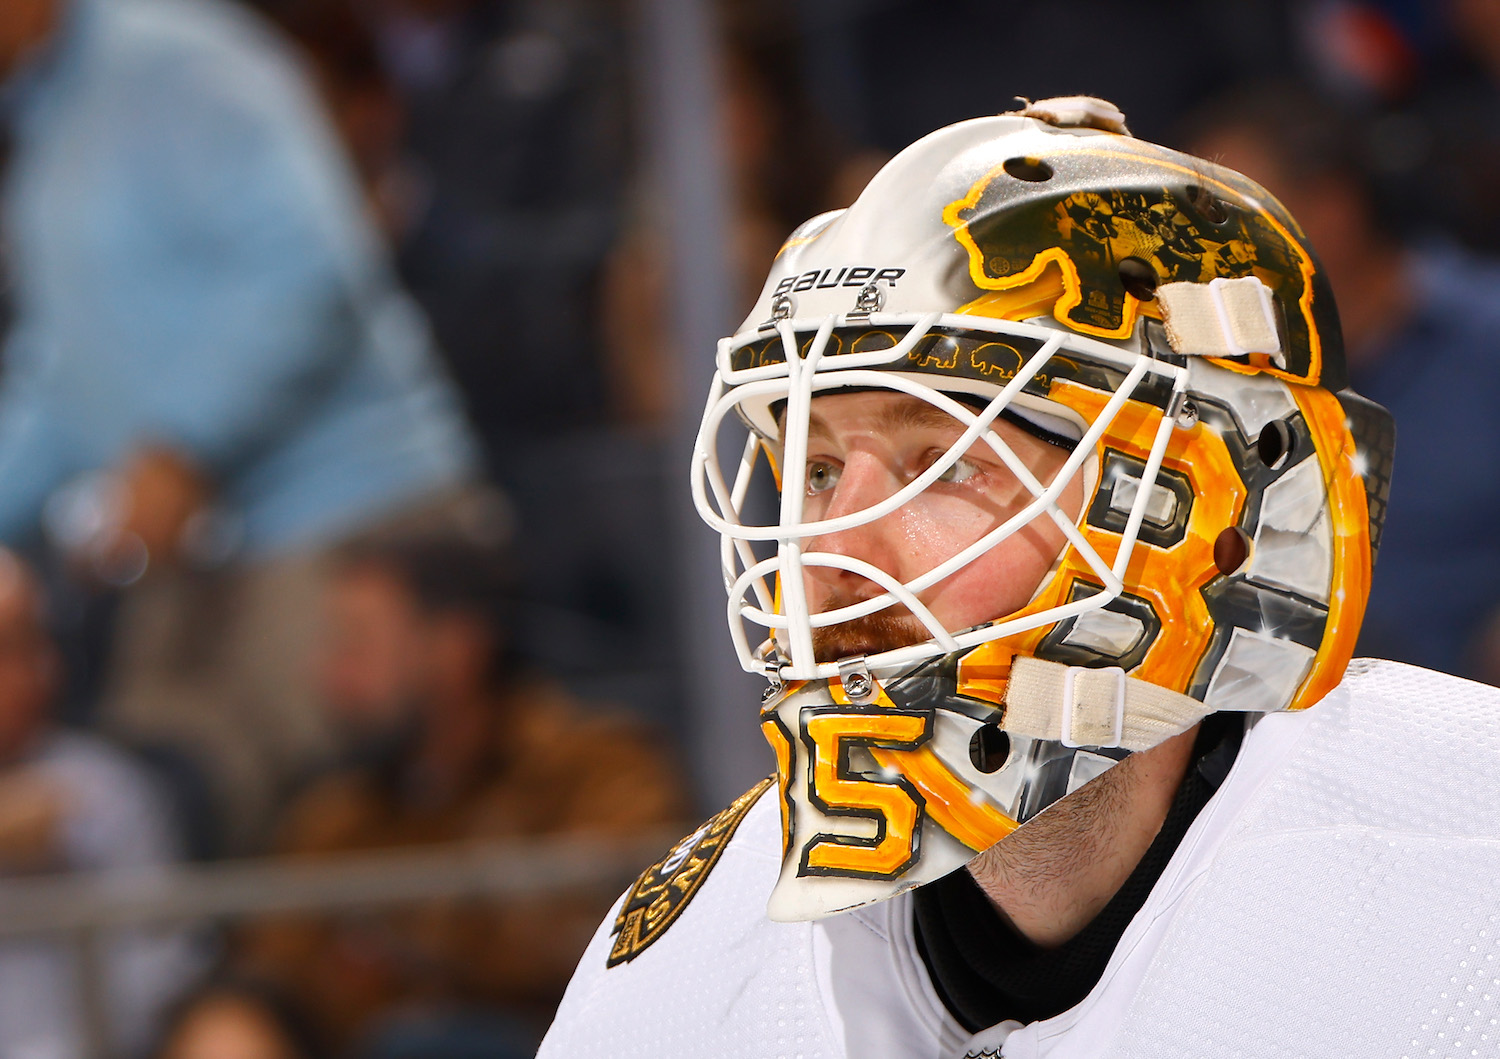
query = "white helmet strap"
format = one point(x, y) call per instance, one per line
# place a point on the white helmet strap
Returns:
point(1094, 707)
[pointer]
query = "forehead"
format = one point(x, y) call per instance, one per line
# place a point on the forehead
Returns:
point(837, 419)
point(879, 412)
point(889, 415)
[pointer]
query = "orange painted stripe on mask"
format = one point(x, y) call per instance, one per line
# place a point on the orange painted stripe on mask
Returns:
point(1351, 541)
point(977, 825)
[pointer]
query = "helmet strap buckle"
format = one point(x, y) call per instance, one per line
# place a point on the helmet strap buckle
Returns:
point(1071, 688)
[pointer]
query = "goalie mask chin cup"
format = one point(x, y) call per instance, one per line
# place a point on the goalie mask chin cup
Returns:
point(1168, 317)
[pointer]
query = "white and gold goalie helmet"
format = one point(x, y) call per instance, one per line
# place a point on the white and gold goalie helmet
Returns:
point(1163, 324)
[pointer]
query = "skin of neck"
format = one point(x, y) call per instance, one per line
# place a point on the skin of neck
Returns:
point(1051, 878)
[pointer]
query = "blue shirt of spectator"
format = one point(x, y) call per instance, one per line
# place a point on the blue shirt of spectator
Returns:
point(1437, 579)
point(193, 268)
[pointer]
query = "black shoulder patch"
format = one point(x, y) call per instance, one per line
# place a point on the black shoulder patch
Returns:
point(664, 889)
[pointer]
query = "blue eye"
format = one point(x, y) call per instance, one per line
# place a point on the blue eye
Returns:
point(821, 476)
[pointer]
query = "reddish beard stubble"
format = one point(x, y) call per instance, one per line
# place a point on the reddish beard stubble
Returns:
point(885, 630)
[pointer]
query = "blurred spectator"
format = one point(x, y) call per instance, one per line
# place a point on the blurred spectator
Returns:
point(517, 147)
point(972, 57)
point(493, 133)
point(1439, 151)
point(457, 740)
point(239, 1018)
point(205, 316)
point(70, 802)
point(1422, 333)
point(493, 136)
point(782, 159)
point(363, 101)
point(1363, 51)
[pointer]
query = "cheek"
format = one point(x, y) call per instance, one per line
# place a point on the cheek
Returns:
point(936, 528)
point(997, 583)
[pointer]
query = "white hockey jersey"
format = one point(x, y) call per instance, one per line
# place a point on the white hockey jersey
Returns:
point(1339, 896)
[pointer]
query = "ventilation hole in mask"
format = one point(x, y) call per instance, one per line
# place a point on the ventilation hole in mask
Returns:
point(1231, 549)
point(1275, 444)
point(1139, 279)
point(989, 748)
point(1205, 203)
point(1030, 169)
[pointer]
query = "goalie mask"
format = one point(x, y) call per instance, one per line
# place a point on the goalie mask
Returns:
point(1162, 326)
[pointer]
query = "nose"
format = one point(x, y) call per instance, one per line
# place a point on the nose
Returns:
point(864, 482)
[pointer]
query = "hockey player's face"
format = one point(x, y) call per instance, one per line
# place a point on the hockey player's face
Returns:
point(862, 448)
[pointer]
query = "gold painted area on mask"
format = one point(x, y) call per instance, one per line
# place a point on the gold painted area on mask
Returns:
point(1021, 301)
point(894, 805)
point(1032, 299)
point(1092, 215)
point(948, 799)
point(1170, 579)
point(781, 747)
point(954, 215)
point(1350, 589)
point(984, 672)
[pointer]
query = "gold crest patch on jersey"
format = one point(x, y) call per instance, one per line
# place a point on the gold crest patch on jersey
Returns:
point(664, 889)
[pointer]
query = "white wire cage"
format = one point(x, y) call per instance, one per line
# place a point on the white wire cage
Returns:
point(770, 592)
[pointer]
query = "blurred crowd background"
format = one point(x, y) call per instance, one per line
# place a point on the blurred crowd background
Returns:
point(352, 349)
